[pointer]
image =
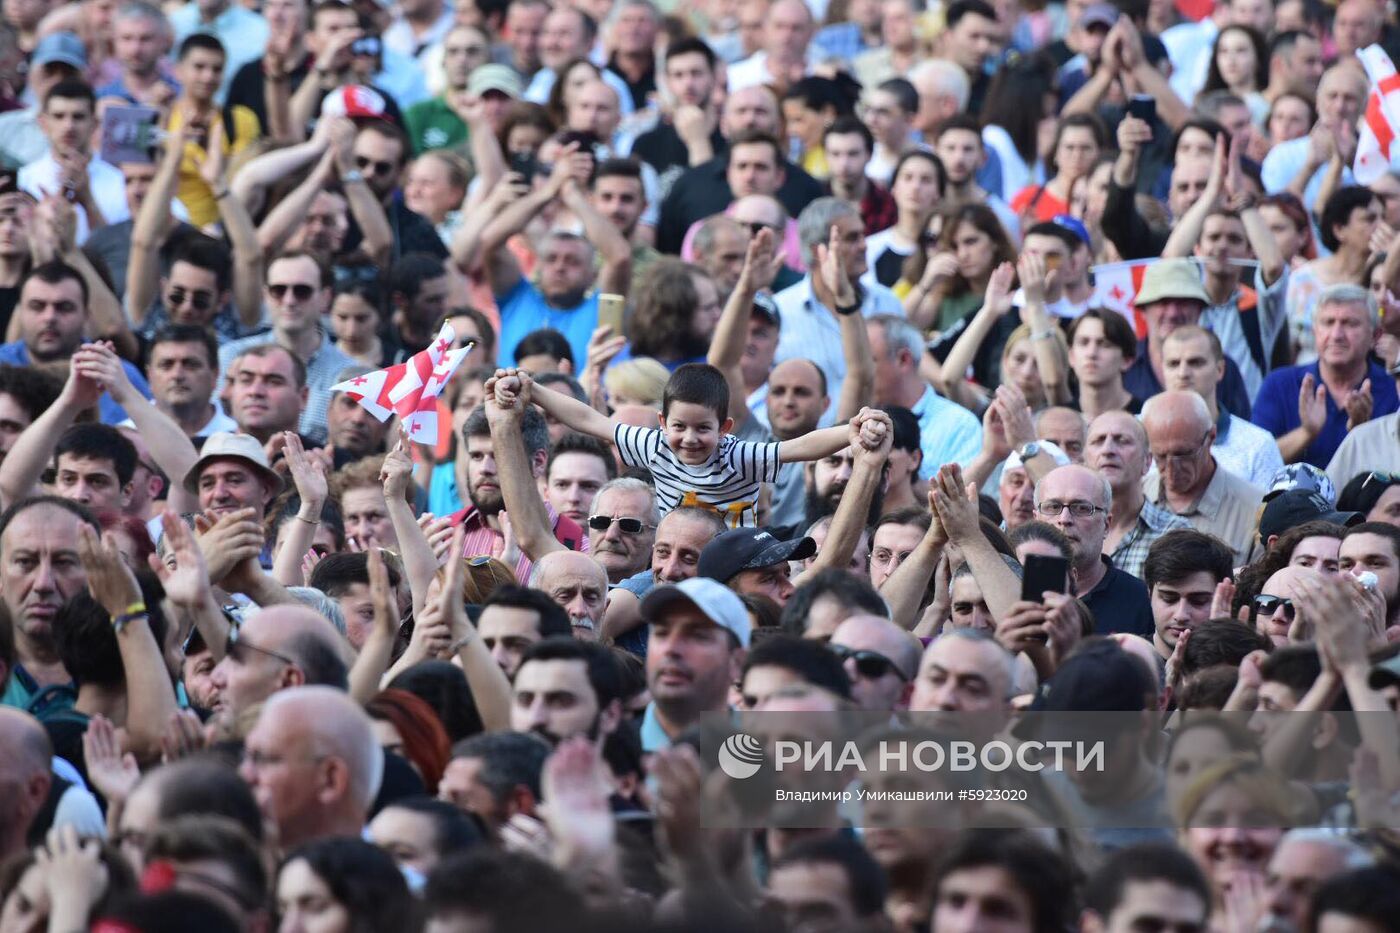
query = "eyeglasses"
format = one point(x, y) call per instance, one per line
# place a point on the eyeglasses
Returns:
point(199, 300)
point(628, 526)
point(1051, 508)
point(1385, 479)
point(871, 665)
point(235, 644)
point(373, 166)
point(300, 291)
point(1266, 606)
point(1181, 456)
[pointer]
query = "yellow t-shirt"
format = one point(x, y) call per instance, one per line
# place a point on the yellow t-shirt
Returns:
point(191, 189)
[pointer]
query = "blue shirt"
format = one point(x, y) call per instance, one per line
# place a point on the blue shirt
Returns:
point(523, 310)
point(1276, 408)
point(17, 354)
point(948, 433)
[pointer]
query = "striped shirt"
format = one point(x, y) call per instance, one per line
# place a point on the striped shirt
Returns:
point(728, 482)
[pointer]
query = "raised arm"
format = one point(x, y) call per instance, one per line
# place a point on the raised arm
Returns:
point(872, 437)
point(253, 180)
point(489, 686)
point(281, 222)
point(309, 478)
point(170, 447)
point(33, 449)
point(247, 251)
point(996, 302)
point(501, 268)
point(529, 519)
point(149, 230)
point(1187, 229)
point(511, 384)
point(1050, 357)
point(1170, 108)
point(378, 650)
point(419, 561)
point(732, 332)
point(187, 584)
point(365, 206)
point(615, 277)
point(858, 388)
point(150, 698)
point(904, 590)
point(956, 504)
point(486, 152)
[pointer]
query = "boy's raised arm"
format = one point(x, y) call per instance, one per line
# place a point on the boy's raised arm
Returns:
point(822, 442)
point(578, 416)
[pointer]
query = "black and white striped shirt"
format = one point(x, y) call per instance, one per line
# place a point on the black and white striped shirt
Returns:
point(728, 483)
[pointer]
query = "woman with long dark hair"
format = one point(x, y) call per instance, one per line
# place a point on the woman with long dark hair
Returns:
point(1079, 139)
point(952, 271)
point(1239, 63)
point(343, 885)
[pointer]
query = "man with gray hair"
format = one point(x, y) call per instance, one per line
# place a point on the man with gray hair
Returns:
point(313, 764)
point(141, 37)
point(833, 245)
point(1303, 861)
point(948, 433)
point(1188, 480)
point(1310, 408)
point(1077, 501)
point(944, 89)
point(622, 527)
point(578, 585)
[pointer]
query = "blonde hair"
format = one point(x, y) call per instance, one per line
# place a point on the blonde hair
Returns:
point(642, 379)
point(1265, 788)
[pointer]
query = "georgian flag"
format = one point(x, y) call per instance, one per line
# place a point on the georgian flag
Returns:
point(1375, 145)
point(410, 389)
point(1116, 285)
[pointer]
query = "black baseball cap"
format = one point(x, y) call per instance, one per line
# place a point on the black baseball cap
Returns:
point(1295, 506)
point(740, 549)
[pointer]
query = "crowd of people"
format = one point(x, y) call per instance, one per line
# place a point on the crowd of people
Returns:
point(798, 338)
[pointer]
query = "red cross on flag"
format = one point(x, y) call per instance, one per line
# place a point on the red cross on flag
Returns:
point(1116, 284)
point(410, 389)
point(1375, 146)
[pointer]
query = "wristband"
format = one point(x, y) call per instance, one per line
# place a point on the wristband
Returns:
point(847, 310)
point(312, 522)
point(134, 611)
point(1044, 334)
point(462, 642)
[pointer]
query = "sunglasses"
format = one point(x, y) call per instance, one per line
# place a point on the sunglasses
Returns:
point(628, 526)
point(871, 665)
point(300, 292)
point(1376, 476)
point(479, 561)
point(199, 300)
point(1268, 605)
point(373, 166)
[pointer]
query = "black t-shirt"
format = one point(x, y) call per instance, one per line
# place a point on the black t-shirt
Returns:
point(248, 88)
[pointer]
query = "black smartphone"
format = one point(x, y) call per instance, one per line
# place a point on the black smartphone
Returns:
point(524, 165)
point(1144, 107)
point(1044, 574)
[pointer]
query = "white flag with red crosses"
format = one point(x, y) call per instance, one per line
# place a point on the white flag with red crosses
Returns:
point(1375, 145)
point(410, 389)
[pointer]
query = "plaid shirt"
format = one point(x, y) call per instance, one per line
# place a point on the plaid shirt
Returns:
point(1153, 522)
point(877, 209)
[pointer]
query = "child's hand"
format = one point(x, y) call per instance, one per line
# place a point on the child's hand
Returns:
point(872, 433)
point(508, 390)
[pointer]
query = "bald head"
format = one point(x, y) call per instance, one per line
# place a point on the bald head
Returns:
point(797, 398)
point(1116, 448)
point(1173, 410)
point(1063, 427)
point(876, 633)
point(25, 761)
point(304, 635)
point(330, 723)
point(579, 584)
